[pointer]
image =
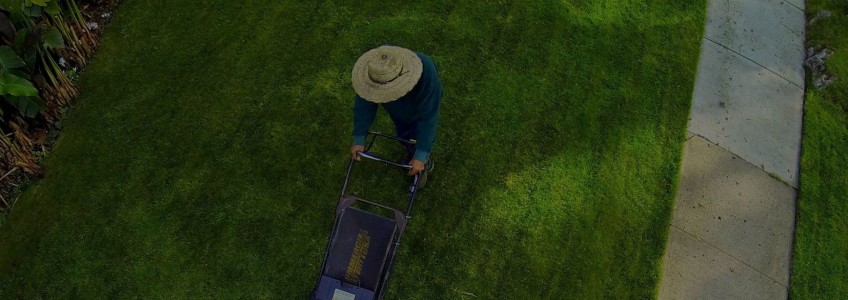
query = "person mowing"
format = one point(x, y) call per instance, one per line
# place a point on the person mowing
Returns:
point(407, 85)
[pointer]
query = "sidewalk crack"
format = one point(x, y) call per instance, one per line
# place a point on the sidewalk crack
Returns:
point(795, 6)
point(760, 167)
point(755, 62)
point(728, 254)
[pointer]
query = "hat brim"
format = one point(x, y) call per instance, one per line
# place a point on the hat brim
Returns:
point(390, 91)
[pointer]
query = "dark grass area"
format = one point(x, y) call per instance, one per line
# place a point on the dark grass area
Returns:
point(820, 259)
point(208, 148)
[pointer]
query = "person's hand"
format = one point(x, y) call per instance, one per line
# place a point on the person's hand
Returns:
point(354, 152)
point(417, 166)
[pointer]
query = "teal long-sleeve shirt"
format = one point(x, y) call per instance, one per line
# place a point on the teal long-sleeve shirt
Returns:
point(419, 108)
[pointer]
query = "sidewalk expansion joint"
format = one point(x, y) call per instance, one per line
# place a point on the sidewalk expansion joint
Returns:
point(755, 62)
point(728, 254)
point(795, 6)
point(690, 137)
point(760, 167)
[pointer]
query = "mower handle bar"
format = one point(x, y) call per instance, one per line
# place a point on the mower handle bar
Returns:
point(383, 160)
point(374, 135)
point(388, 136)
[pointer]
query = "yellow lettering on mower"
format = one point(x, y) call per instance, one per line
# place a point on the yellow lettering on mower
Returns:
point(357, 258)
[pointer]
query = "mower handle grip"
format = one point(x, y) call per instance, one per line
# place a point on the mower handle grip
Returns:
point(383, 160)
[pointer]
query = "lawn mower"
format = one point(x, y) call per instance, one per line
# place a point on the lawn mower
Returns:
point(362, 246)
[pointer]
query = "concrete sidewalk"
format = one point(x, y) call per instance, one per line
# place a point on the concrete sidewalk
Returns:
point(732, 226)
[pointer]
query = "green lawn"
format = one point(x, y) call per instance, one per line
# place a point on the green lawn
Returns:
point(206, 153)
point(820, 261)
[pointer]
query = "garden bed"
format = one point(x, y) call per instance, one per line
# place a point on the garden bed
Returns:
point(47, 44)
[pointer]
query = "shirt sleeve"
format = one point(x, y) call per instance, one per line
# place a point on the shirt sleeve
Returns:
point(428, 118)
point(364, 112)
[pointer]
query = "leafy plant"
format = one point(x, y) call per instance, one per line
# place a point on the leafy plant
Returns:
point(34, 34)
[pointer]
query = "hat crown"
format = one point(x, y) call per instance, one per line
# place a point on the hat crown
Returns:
point(385, 68)
point(386, 73)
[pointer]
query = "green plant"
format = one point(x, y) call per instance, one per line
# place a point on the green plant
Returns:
point(35, 33)
point(15, 86)
point(40, 40)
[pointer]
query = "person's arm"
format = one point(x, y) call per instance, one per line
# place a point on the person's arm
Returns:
point(364, 113)
point(428, 120)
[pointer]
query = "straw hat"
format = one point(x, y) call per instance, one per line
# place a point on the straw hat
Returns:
point(386, 73)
